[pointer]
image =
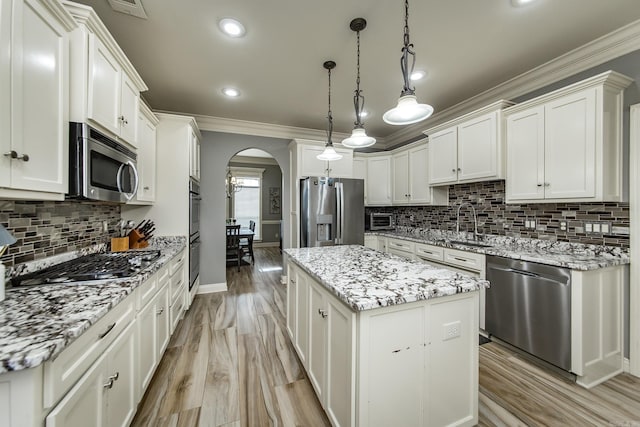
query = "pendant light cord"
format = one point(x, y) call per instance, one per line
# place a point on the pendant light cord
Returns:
point(407, 50)
point(329, 116)
point(358, 98)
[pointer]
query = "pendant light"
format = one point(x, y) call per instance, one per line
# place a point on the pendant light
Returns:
point(329, 152)
point(359, 137)
point(408, 110)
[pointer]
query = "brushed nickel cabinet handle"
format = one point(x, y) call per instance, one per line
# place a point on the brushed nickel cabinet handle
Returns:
point(109, 384)
point(109, 328)
point(322, 313)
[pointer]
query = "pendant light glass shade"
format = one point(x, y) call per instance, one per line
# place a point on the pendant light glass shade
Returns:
point(329, 152)
point(408, 110)
point(359, 137)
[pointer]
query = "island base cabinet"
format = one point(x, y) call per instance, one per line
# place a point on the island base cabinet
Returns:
point(105, 395)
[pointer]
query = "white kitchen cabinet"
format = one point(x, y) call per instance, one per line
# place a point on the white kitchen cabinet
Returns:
point(194, 156)
point(34, 69)
point(309, 164)
point(105, 395)
point(146, 162)
point(359, 385)
point(410, 177)
point(371, 241)
point(105, 88)
point(469, 148)
point(567, 145)
point(378, 182)
point(400, 247)
point(360, 167)
point(298, 311)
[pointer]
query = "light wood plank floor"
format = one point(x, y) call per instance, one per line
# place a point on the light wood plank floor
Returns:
point(230, 363)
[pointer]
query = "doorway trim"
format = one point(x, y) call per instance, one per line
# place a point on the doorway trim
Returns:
point(634, 239)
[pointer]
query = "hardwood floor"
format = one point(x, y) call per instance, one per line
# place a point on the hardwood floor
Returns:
point(230, 363)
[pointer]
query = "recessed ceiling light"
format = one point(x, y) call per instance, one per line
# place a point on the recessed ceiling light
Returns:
point(232, 27)
point(231, 92)
point(518, 3)
point(417, 75)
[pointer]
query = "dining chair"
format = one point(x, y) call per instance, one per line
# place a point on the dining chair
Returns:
point(246, 243)
point(234, 252)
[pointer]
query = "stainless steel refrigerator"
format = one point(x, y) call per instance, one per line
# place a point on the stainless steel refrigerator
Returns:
point(331, 211)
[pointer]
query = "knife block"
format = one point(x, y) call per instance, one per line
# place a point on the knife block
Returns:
point(134, 240)
point(119, 244)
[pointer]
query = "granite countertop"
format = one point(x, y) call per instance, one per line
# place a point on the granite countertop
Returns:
point(365, 279)
point(576, 256)
point(37, 323)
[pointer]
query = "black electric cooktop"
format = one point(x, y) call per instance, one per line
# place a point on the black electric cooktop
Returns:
point(101, 266)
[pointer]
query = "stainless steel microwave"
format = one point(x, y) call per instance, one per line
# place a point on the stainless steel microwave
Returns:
point(100, 168)
point(379, 221)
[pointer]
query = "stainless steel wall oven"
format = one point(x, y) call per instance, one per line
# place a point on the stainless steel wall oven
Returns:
point(194, 231)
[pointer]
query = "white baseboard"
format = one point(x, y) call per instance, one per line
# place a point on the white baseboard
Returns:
point(266, 244)
point(211, 288)
point(625, 364)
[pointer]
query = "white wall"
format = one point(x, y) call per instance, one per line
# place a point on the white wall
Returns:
point(216, 150)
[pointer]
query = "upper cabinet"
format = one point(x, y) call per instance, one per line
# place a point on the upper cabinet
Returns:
point(378, 181)
point(194, 155)
point(147, 122)
point(34, 58)
point(469, 148)
point(308, 164)
point(410, 177)
point(105, 88)
point(567, 145)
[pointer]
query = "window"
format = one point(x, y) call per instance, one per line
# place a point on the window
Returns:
point(246, 201)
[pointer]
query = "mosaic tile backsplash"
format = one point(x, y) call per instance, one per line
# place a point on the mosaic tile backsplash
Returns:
point(496, 217)
point(44, 229)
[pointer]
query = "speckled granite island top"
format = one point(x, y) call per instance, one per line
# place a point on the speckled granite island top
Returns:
point(37, 323)
point(576, 256)
point(366, 279)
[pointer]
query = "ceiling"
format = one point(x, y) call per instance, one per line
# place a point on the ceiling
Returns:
point(465, 46)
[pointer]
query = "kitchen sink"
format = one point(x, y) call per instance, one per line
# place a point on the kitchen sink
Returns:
point(469, 243)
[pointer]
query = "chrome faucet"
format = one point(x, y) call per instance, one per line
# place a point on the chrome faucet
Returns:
point(475, 220)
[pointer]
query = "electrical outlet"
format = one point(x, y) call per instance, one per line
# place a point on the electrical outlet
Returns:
point(588, 227)
point(530, 224)
point(596, 227)
point(451, 330)
point(563, 225)
point(605, 228)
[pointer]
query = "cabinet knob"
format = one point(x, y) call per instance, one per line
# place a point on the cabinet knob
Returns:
point(453, 170)
point(123, 120)
point(539, 185)
point(459, 170)
point(115, 376)
point(14, 155)
point(159, 312)
point(322, 313)
point(546, 184)
point(145, 188)
point(108, 384)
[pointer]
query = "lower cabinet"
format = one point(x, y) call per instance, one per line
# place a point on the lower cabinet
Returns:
point(105, 395)
point(410, 364)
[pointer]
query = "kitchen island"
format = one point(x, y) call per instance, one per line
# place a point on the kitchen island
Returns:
point(384, 340)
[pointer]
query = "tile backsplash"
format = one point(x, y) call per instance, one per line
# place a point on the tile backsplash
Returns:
point(43, 229)
point(496, 217)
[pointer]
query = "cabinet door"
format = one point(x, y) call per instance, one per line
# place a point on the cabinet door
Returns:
point(342, 168)
point(292, 301)
point(360, 168)
point(40, 100)
point(443, 161)
point(194, 155)
point(340, 348)
point(146, 159)
point(121, 397)
point(525, 155)
point(86, 403)
point(162, 314)
point(129, 107)
point(400, 177)
point(309, 163)
point(371, 242)
point(379, 180)
point(478, 148)
point(302, 326)
point(316, 364)
point(147, 325)
point(570, 146)
point(5, 88)
point(419, 190)
point(105, 77)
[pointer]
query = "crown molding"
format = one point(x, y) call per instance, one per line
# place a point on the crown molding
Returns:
point(610, 46)
point(58, 10)
point(244, 127)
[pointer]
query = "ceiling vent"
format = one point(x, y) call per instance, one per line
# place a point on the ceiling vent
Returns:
point(130, 7)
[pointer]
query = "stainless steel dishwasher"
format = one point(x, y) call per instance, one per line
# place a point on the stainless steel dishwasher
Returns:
point(529, 306)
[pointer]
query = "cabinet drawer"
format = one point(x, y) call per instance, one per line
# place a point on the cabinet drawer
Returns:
point(147, 291)
point(61, 373)
point(434, 253)
point(177, 262)
point(177, 283)
point(400, 245)
point(465, 260)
